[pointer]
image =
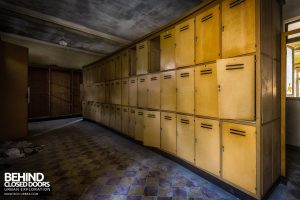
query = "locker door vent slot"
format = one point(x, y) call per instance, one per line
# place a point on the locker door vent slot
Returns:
point(142, 80)
point(167, 76)
point(132, 81)
point(206, 71)
point(167, 36)
point(140, 113)
point(207, 126)
point(141, 47)
point(168, 118)
point(153, 78)
point(185, 74)
point(151, 116)
point(235, 3)
point(235, 66)
point(184, 28)
point(185, 121)
point(237, 132)
point(207, 17)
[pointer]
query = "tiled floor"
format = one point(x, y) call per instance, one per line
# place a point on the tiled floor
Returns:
point(85, 161)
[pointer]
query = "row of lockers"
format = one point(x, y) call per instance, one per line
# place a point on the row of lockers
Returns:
point(225, 89)
point(226, 150)
point(207, 37)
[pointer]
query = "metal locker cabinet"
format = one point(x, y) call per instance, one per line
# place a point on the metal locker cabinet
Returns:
point(125, 91)
point(133, 91)
point(167, 53)
point(112, 69)
point(118, 92)
point(107, 92)
point(132, 61)
point(99, 76)
point(142, 91)
point(118, 124)
point(132, 122)
point(154, 91)
point(118, 67)
point(106, 115)
point(139, 125)
point(102, 114)
point(206, 90)
point(238, 18)
point(236, 80)
point(125, 120)
point(97, 92)
point(151, 135)
point(168, 91)
point(186, 138)
point(125, 63)
point(142, 58)
point(208, 35)
point(102, 92)
point(168, 132)
point(185, 90)
point(112, 116)
point(207, 147)
point(239, 155)
point(112, 92)
point(94, 111)
point(98, 113)
point(185, 43)
point(84, 109)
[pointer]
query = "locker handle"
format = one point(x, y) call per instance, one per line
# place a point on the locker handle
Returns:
point(207, 126)
point(186, 27)
point(235, 3)
point(167, 76)
point(237, 132)
point(185, 121)
point(207, 17)
point(185, 74)
point(206, 71)
point(234, 66)
point(168, 118)
point(167, 36)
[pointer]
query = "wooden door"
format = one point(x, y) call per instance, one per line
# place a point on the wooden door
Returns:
point(154, 91)
point(168, 132)
point(142, 92)
point(142, 58)
point(167, 53)
point(125, 120)
point(125, 92)
point(139, 126)
point(168, 91)
point(125, 61)
point(152, 129)
point(133, 91)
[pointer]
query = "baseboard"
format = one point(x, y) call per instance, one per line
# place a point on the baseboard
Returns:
point(38, 119)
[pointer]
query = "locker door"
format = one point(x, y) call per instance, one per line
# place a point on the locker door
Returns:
point(132, 122)
point(98, 113)
point(185, 43)
point(102, 92)
point(239, 155)
point(118, 91)
point(208, 35)
point(103, 71)
point(112, 69)
point(102, 118)
point(167, 53)
point(168, 91)
point(132, 61)
point(98, 70)
point(112, 98)
point(186, 138)
point(133, 91)
point(97, 92)
point(185, 90)
point(206, 90)
point(125, 120)
point(118, 124)
point(118, 67)
point(94, 111)
point(125, 64)
point(139, 126)
point(112, 117)
point(142, 56)
point(154, 91)
point(106, 115)
point(208, 147)
point(168, 132)
point(152, 129)
point(84, 109)
point(142, 91)
point(107, 92)
point(125, 89)
point(236, 80)
point(238, 18)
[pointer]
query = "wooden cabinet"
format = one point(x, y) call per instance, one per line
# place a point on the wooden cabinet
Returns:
point(168, 91)
point(208, 35)
point(239, 155)
point(185, 43)
point(142, 58)
point(142, 91)
point(125, 92)
point(238, 21)
point(133, 91)
point(153, 91)
point(118, 92)
point(132, 122)
point(118, 66)
point(152, 129)
point(168, 132)
point(139, 126)
point(206, 90)
point(125, 120)
point(112, 116)
point(167, 54)
point(207, 145)
point(236, 80)
point(118, 123)
point(185, 90)
point(125, 61)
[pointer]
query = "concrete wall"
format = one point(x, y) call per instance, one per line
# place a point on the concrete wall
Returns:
point(293, 121)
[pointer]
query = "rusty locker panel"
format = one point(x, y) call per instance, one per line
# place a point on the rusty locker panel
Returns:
point(142, 58)
point(168, 91)
point(237, 101)
point(206, 90)
point(139, 126)
point(125, 61)
point(152, 129)
point(185, 43)
point(107, 92)
point(142, 92)
point(125, 120)
point(125, 92)
point(208, 35)
point(133, 91)
point(112, 117)
point(118, 124)
point(132, 122)
point(168, 132)
point(186, 137)
point(118, 66)
point(154, 91)
point(118, 92)
point(208, 145)
point(167, 53)
point(185, 90)
point(238, 18)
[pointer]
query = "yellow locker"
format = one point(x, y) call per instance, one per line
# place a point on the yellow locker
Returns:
point(206, 90)
point(168, 91)
point(168, 132)
point(118, 66)
point(106, 71)
point(97, 92)
point(132, 61)
point(118, 92)
point(106, 114)
point(84, 114)
point(139, 125)
point(94, 111)
point(185, 90)
point(125, 61)
point(142, 91)
point(185, 43)
point(239, 155)
point(112, 116)
point(98, 70)
point(98, 113)
point(208, 35)
point(125, 120)
point(107, 92)
point(236, 80)
point(118, 124)
point(154, 91)
point(167, 53)
point(102, 118)
point(238, 18)
point(151, 135)
point(112, 96)
point(132, 122)
point(142, 58)
point(102, 92)
point(186, 138)
point(125, 92)
point(133, 91)
point(112, 69)
point(207, 150)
